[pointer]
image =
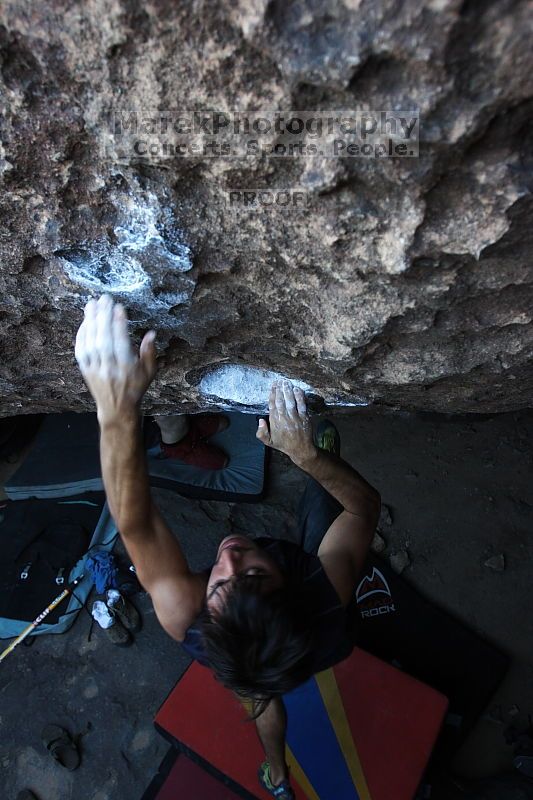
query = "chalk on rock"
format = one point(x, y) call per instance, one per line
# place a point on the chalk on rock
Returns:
point(496, 563)
point(399, 561)
point(378, 543)
point(234, 385)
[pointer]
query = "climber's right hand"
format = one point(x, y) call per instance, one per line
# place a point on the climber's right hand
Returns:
point(116, 376)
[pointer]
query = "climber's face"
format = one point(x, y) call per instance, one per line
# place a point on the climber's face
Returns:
point(240, 556)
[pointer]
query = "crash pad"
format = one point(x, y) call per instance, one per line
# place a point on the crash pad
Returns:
point(342, 724)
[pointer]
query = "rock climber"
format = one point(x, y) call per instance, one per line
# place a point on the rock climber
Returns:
point(269, 613)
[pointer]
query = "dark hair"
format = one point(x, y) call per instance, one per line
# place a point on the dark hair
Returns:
point(259, 645)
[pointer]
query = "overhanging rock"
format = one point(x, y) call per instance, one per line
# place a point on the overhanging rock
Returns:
point(404, 282)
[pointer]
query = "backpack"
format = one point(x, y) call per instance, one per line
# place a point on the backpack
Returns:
point(43, 548)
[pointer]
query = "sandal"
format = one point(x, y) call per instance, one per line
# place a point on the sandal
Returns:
point(61, 746)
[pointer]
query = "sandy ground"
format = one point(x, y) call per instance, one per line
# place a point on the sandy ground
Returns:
point(459, 492)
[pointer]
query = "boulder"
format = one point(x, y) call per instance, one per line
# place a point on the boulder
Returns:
point(126, 166)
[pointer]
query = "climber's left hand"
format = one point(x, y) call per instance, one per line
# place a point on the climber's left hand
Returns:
point(289, 428)
point(115, 375)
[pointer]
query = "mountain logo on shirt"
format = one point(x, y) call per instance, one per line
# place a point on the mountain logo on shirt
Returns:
point(374, 595)
point(376, 583)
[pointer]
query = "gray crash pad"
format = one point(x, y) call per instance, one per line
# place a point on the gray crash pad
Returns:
point(64, 460)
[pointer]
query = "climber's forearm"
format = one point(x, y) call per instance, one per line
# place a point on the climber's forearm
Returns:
point(125, 472)
point(343, 482)
point(161, 566)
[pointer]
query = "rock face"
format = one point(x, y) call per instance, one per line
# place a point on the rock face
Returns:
point(401, 281)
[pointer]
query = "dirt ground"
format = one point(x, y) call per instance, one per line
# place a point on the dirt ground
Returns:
point(459, 491)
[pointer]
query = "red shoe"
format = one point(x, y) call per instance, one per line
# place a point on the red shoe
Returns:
point(193, 449)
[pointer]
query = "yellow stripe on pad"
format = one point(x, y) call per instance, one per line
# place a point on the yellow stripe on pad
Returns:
point(331, 696)
point(292, 762)
point(299, 775)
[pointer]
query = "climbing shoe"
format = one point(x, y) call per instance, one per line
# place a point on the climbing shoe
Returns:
point(281, 792)
point(124, 610)
point(327, 437)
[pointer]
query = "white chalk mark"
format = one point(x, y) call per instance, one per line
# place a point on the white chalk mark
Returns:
point(241, 385)
point(116, 266)
point(247, 389)
point(103, 271)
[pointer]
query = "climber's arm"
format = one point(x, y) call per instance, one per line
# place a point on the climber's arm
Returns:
point(125, 472)
point(345, 545)
point(161, 567)
point(117, 379)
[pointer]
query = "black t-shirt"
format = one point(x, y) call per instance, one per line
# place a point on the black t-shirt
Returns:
point(331, 621)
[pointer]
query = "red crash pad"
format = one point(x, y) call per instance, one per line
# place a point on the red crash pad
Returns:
point(362, 730)
point(187, 781)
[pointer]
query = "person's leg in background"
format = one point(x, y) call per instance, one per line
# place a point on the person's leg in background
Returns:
point(184, 437)
point(173, 427)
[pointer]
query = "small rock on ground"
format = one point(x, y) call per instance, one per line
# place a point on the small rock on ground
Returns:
point(378, 543)
point(385, 517)
point(399, 561)
point(496, 563)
